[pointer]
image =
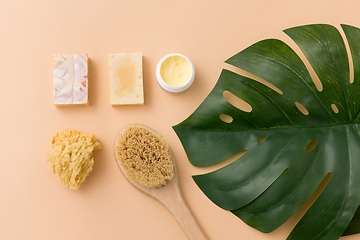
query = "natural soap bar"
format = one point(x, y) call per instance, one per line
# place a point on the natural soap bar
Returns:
point(126, 79)
point(71, 79)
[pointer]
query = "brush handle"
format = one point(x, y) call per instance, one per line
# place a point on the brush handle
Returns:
point(171, 198)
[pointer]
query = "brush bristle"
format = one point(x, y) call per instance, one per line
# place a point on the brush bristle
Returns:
point(144, 156)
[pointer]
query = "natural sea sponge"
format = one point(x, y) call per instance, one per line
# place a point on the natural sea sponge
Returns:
point(72, 156)
point(144, 156)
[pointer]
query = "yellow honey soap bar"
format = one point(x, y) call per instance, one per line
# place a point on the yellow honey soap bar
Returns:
point(126, 79)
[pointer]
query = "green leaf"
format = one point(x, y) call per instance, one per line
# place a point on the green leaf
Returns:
point(275, 177)
point(353, 227)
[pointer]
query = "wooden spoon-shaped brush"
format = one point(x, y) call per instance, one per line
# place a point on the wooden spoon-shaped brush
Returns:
point(169, 194)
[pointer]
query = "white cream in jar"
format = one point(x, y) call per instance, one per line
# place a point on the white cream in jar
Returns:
point(175, 73)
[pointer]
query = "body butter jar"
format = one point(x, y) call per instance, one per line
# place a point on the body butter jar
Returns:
point(175, 73)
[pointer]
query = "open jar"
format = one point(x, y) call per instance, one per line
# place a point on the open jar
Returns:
point(175, 73)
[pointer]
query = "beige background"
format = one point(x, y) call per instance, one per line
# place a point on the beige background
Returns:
point(33, 204)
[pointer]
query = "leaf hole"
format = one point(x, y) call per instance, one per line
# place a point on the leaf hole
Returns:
point(351, 63)
point(306, 206)
point(226, 118)
point(261, 140)
point(254, 77)
point(315, 79)
point(311, 145)
point(302, 109)
point(286, 169)
point(224, 163)
point(237, 102)
point(334, 108)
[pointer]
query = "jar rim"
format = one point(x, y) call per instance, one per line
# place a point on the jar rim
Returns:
point(166, 86)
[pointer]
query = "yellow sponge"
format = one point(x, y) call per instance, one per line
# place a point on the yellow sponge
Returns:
point(72, 156)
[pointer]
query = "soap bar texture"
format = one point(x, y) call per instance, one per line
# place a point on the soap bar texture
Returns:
point(71, 157)
point(126, 79)
point(71, 80)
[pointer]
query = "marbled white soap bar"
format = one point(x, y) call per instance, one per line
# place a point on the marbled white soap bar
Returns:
point(71, 80)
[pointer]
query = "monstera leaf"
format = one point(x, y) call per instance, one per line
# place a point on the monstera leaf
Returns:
point(310, 135)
